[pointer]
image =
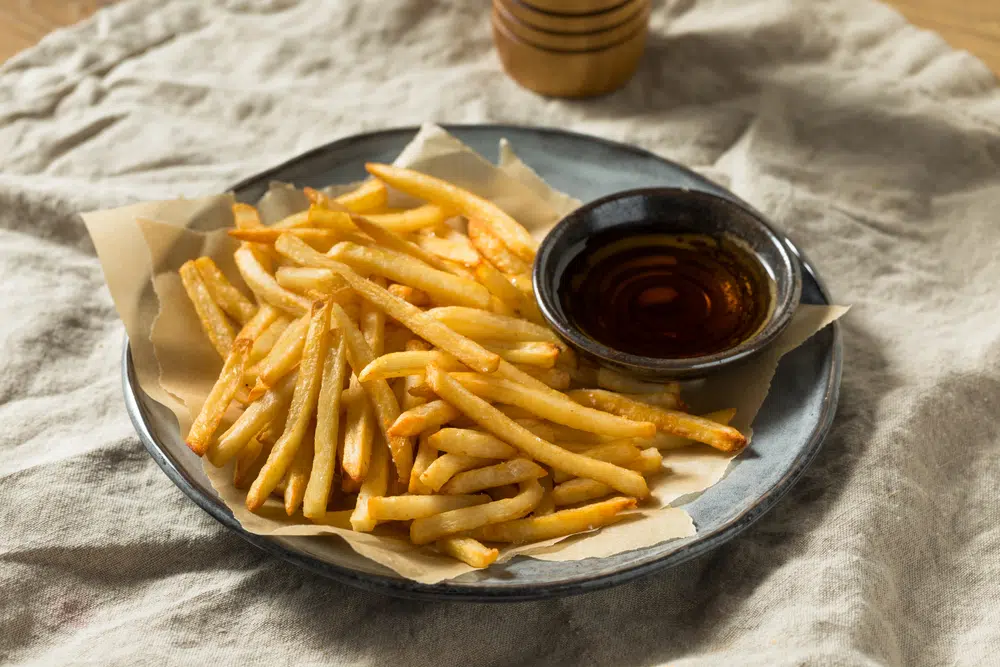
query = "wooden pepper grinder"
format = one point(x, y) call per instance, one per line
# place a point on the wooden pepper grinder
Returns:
point(570, 48)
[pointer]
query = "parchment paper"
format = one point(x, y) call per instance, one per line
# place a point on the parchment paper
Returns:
point(176, 366)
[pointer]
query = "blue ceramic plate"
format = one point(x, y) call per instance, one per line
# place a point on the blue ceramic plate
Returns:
point(788, 430)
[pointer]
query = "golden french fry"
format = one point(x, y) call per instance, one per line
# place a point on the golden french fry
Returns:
point(500, 308)
point(422, 418)
point(615, 381)
point(297, 476)
point(439, 285)
point(428, 529)
point(507, 472)
point(539, 427)
point(376, 484)
point(293, 221)
point(263, 343)
point(547, 505)
point(354, 392)
point(553, 406)
point(213, 319)
point(556, 378)
point(405, 508)
point(265, 286)
point(483, 325)
point(649, 461)
point(724, 438)
point(619, 452)
point(426, 454)
point(359, 434)
point(471, 443)
point(268, 235)
point(503, 289)
point(246, 216)
point(663, 399)
point(219, 398)
point(491, 246)
point(451, 246)
point(579, 490)
point(557, 524)
point(259, 322)
point(282, 358)
point(401, 364)
point(303, 405)
point(323, 217)
point(270, 433)
point(223, 292)
point(257, 416)
point(303, 280)
point(469, 551)
point(454, 198)
point(494, 421)
point(317, 494)
point(447, 466)
point(403, 222)
point(468, 352)
point(249, 462)
point(370, 195)
point(666, 441)
point(383, 401)
point(505, 491)
point(409, 294)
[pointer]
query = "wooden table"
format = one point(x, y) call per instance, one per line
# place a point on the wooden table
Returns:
point(967, 24)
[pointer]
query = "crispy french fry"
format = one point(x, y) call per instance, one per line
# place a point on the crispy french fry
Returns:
point(409, 294)
point(579, 490)
point(270, 433)
point(246, 216)
point(468, 352)
point(303, 405)
point(428, 529)
point(451, 246)
point(547, 505)
point(263, 343)
point(297, 476)
point(615, 381)
point(663, 399)
point(556, 378)
point(494, 421)
point(724, 438)
point(293, 221)
point(439, 285)
point(257, 416)
point(265, 286)
point(213, 319)
point(317, 494)
point(230, 299)
point(249, 462)
point(443, 468)
point(337, 221)
point(426, 454)
point(359, 434)
point(258, 323)
point(491, 246)
point(376, 484)
point(471, 443)
point(504, 491)
point(422, 418)
point(219, 398)
point(539, 427)
point(282, 358)
point(507, 472)
point(406, 508)
point(302, 280)
point(268, 235)
point(469, 551)
point(483, 325)
point(368, 196)
point(383, 401)
point(404, 222)
point(553, 406)
point(557, 524)
point(666, 441)
point(500, 308)
point(401, 364)
point(454, 198)
point(503, 289)
point(619, 452)
point(649, 461)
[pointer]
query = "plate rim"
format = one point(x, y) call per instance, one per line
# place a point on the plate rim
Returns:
point(448, 590)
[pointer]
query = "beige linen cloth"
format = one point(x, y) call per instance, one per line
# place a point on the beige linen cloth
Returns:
point(871, 143)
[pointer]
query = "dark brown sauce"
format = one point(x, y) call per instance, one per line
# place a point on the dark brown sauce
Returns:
point(667, 296)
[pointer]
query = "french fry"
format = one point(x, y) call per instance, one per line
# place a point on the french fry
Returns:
point(443, 468)
point(368, 196)
point(401, 364)
point(282, 358)
point(303, 280)
point(246, 216)
point(230, 299)
point(724, 438)
point(383, 401)
point(259, 322)
point(422, 418)
point(557, 524)
point(317, 494)
point(359, 434)
point(547, 505)
point(266, 287)
point(376, 484)
point(553, 406)
point(337, 221)
point(663, 399)
point(503, 289)
point(579, 490)
point(297, 476)
point(429, 529)
point(249, 462)
point(469, 551)
point(426, 454)
point(404, 222)
point(482, 325)
point(219, 398)
point(471, 443)
point(293, 221)
point(303, 405)
point(406, 508)
point(495, 422)
point(649, 462)
point(491, 246)
point(451, 246)
point(409, 294)
point(556, 378)
point(263, 343)
point(500, 308)
point(540, 354)
point(615, 381)
point(666, 441)
point(504, 491)
point(454, 198)
point(468, 352)
point(268, 235)
point(257, 416)
point(619, 452)
point(539, 427)
point(439, 285)
point(213, 319)
point(507, 472)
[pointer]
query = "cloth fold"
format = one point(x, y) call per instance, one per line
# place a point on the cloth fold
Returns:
point(872, 144)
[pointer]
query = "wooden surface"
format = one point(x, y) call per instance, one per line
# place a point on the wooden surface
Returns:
point(967, 24)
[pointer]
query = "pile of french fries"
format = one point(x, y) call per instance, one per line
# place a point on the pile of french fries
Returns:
point(391, 369)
